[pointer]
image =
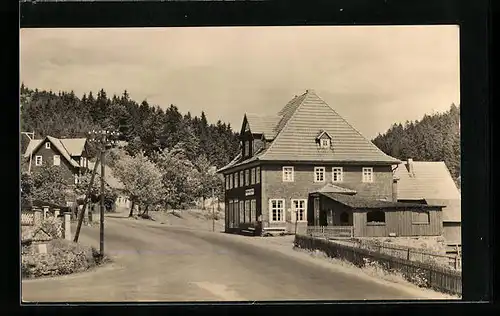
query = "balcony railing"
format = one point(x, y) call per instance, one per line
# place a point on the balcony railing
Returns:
point(331, 232)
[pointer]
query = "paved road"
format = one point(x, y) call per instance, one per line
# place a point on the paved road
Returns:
point(157, 263)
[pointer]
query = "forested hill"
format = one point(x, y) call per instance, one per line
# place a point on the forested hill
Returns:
point(434, 138)
point(144, 126)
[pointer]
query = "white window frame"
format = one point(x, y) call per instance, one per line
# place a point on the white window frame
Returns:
point(231, 177)
point(288, 170)
point(247, 177)
point(36, 160)
point(236, 179)
point(47, 145)
point(257, 174)
point(294, 214)
point(365, 177)
point(328, 143)
point(253, 211)
point(316, 169)
point(58, 160)
point(227, 182)
point(341, 174)
point(280, 210)
point(252, 176)
point(242, 178)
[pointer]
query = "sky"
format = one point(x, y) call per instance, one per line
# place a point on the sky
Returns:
point(373, 76)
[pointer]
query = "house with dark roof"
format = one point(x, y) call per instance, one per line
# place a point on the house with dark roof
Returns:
point(305, 166)
point(69, 154)
point(430, 182)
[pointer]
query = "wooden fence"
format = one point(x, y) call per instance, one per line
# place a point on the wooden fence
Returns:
point(453, 261)
point(330, 232)
point(422, 274)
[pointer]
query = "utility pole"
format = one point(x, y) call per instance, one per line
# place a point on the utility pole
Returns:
point(213, 211)
point(87, 196)
point(103, 139)
point(101, 219)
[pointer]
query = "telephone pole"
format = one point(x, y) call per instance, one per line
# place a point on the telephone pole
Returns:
point(103, 139)
point(213, 211)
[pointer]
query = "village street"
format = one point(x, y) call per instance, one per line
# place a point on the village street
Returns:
point(154, 262)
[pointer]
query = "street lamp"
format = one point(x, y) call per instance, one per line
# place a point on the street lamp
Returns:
point(103, 139)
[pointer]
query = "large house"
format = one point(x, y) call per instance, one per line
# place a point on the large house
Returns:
point(69, 154)
point(307, 166)
point(429, 182)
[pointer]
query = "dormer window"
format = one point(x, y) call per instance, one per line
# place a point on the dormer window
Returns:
point(325, 143)
point(323, 139)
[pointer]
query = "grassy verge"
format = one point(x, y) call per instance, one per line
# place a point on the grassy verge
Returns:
point(62, 257)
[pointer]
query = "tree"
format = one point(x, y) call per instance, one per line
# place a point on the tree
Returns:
point(49, 185)
point(142, 180)
point(179, 176)
point(205, 175)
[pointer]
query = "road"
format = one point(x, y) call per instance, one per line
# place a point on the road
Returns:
point(153, 262)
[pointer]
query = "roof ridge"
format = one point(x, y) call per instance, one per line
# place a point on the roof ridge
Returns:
point(280, 132)
point(345, 121)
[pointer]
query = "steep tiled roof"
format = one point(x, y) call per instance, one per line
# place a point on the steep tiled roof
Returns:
point(331, 188)
point(263, 124)
point(363, 203)
point(296, 128)
point(309, 114)
point(431, 181)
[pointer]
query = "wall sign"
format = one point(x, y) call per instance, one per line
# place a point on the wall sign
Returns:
point(249, 192)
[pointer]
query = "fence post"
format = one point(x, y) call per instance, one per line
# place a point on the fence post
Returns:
point(56, 212)
point(408, 255)
point(456, 262)
point(67, 226)
point(37, 217)
point(45, 211)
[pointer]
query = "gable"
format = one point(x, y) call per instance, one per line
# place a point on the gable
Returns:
point(303, 117)
point(56, 145)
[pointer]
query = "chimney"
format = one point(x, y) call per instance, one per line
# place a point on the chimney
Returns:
point(395, 189)
point(410, 166)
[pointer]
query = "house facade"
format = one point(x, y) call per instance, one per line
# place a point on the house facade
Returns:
point(305, 148)
point(68, 154)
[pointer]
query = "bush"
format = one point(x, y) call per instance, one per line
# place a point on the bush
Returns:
point(62, 257)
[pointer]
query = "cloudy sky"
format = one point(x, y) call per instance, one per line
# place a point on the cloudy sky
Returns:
point(372, 76)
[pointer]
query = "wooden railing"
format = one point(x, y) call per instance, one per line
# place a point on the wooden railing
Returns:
point(331, 232)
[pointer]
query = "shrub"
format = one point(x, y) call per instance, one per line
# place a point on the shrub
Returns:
point(62, 257)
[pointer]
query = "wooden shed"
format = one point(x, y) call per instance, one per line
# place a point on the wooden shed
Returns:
point(374, 218)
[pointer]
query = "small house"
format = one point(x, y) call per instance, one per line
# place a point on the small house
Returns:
point(69, 154)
